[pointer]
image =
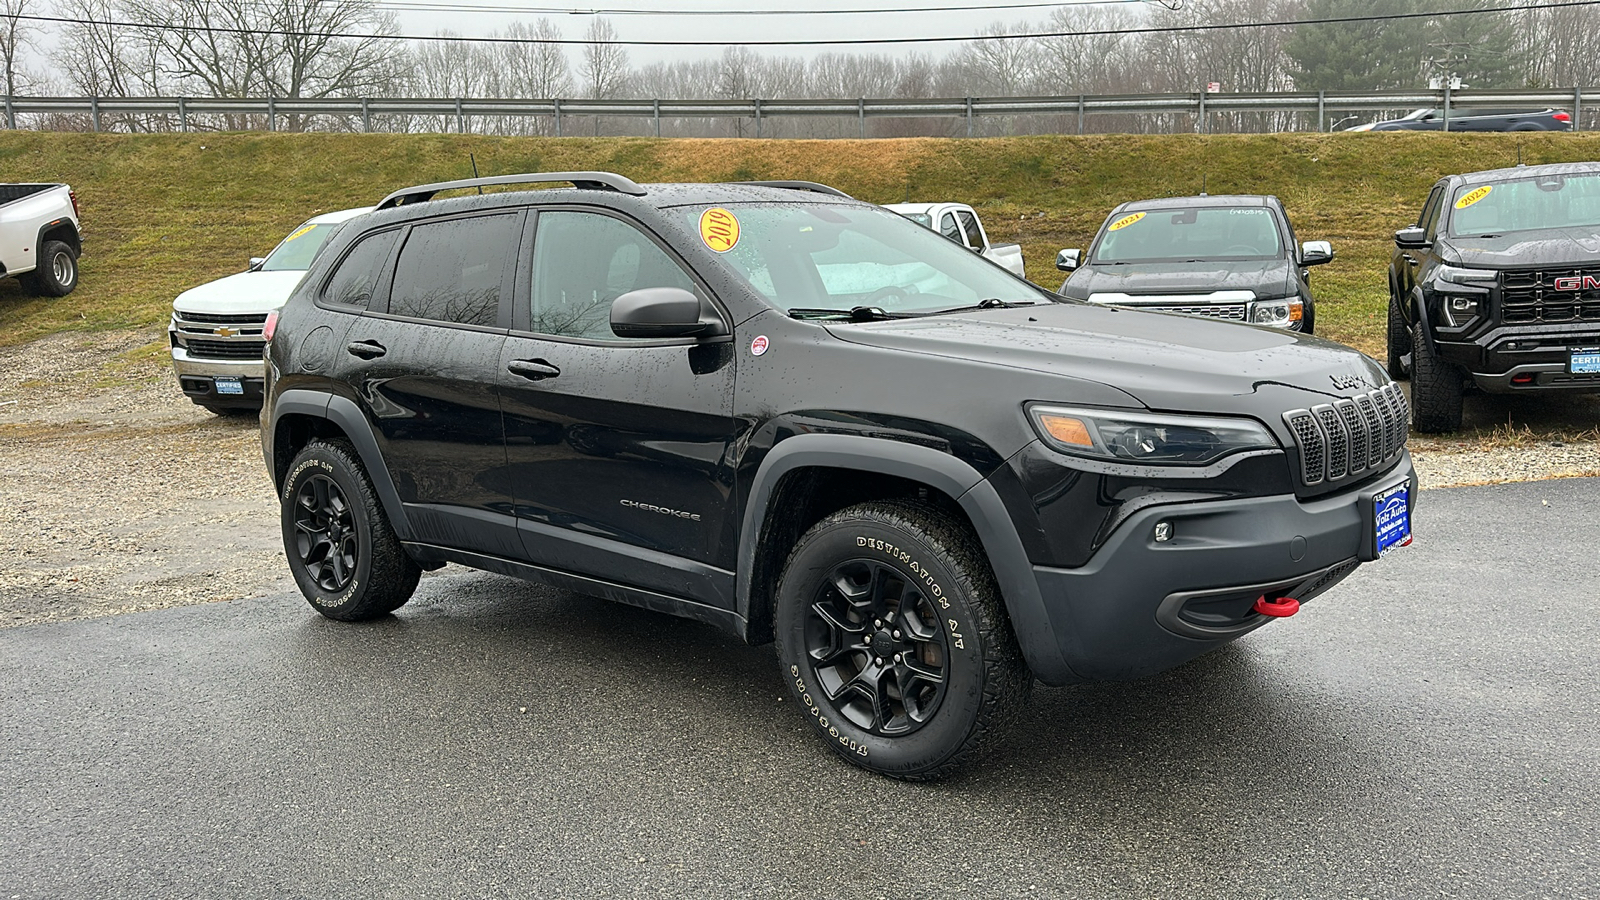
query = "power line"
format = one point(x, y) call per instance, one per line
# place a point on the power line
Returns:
point(946, 39)
point(409, 6)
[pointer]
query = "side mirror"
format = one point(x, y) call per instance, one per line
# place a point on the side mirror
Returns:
point(665, 312)
point(1068, 260)
point(1315, 253)
point(1411, 237)
point(256, 262)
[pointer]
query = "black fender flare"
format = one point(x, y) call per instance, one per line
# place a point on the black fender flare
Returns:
point(344, 414)
point(977, 497)
point(1419, 309)
point(76, 243)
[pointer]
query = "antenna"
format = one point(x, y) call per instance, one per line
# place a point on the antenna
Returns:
point(474, 159)
point(1203, 185)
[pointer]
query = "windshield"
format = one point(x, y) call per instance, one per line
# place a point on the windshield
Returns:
point(1420, 114)
point(298, 249)
point(923, 219)
point(814, 256)
point(1527, 204)
point(1194, 234)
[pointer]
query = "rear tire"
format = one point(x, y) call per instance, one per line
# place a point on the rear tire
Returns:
point(57, 273)
point(1399, 342)
point(893, 640)
point(342, 552)
point(1436, 388)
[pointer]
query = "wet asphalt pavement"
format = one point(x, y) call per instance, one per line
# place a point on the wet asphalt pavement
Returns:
point(1431, 728)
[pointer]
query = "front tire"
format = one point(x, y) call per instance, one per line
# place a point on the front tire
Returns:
point(57, 273)
point(342, 552)
point(1399, 342)
point(892, 637)
point(1436, 388)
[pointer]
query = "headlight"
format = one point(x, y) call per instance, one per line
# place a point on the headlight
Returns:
point(1475, 278)
point(1458, 311)
point(1277, 313)
point(1147, 437)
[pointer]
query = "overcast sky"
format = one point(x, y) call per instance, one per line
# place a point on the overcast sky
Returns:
point(463, 19)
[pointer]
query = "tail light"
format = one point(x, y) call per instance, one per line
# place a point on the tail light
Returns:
point(1561, 117)
point(74, 196)
point(271, 326)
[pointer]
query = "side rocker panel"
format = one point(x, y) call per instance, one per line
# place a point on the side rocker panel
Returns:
point(978, 499)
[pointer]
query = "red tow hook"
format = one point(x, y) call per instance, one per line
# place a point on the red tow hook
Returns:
point(1281, 608)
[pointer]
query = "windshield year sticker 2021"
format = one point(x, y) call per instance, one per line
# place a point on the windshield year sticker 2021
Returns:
point(719, 229)
point(1125, 221)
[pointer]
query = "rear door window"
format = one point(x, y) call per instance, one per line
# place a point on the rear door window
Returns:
point(455, 270)
point(948, 227)
point(353, 281)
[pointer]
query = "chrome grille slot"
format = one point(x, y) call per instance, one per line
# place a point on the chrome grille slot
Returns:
point(1338, 441)
point(1342, 441)
point(222, 318)
point(226, 349)
point(1233, 312)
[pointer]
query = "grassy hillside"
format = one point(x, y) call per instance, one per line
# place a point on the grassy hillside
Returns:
point(162, 213)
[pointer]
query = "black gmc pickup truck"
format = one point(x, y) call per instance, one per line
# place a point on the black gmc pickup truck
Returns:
point(1497, 286)
point(805, 419)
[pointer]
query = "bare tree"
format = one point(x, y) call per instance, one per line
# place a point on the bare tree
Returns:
point(15, 34)
point(605, 64)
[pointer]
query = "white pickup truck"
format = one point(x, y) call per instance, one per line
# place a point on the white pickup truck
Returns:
point(39, 239)
point(959, 222)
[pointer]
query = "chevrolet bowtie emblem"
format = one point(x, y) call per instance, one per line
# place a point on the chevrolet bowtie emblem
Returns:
point(224, 332)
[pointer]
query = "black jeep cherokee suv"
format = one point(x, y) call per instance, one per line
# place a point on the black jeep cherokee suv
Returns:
point(1498, 284)
point(806, 419)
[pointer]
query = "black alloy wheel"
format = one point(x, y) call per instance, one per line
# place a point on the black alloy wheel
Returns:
point(342, 551)
point(325, 533)
point(875, 644)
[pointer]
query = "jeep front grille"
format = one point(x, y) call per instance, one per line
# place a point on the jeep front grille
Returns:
point(1349, 438)
point(1529, 296)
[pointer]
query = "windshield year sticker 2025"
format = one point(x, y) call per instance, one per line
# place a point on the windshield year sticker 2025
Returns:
point(719, 229)
point(1125, 221)
point(1473, 196)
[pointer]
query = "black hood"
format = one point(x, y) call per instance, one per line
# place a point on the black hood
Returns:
point(1167, 362)
point(1266, 277)
point(1524, 249)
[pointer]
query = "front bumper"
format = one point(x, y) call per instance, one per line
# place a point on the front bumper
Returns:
point(1140, 606)
point(197, 379)
point(1511, 360)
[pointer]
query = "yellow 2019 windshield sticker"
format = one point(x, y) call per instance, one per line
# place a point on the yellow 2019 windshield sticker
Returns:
point(1473, 196)
point(1125, 221)
point(299, 233)
point(719, 229)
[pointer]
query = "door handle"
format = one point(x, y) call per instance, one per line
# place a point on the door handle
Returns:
point(532, 369)
point(366, 349)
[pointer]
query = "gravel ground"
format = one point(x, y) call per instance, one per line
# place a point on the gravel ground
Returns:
point(119, 494)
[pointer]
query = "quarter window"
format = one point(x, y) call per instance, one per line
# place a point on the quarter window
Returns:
point(358, 272)
point(582, 262)
point(452, 271)
point(948, 228)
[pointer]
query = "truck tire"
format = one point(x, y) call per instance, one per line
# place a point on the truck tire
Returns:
point(57, 273)
point(1399, 342)
point(1436, 388)
point(342, 552)
point(892, 638)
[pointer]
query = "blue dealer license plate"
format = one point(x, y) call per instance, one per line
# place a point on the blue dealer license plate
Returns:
point(1391, 513)
point(229, 385)
point(1585, 362)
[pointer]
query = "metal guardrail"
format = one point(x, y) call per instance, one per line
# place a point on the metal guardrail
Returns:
point(1322, 104)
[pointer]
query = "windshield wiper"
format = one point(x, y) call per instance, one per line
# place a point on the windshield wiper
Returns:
point(853, 314)
point(987, 303)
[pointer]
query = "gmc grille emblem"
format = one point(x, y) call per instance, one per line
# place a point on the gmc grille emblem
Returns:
point(1577, 283)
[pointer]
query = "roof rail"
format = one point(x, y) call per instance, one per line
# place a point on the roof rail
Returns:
point(591, 181)
point(800, 186)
